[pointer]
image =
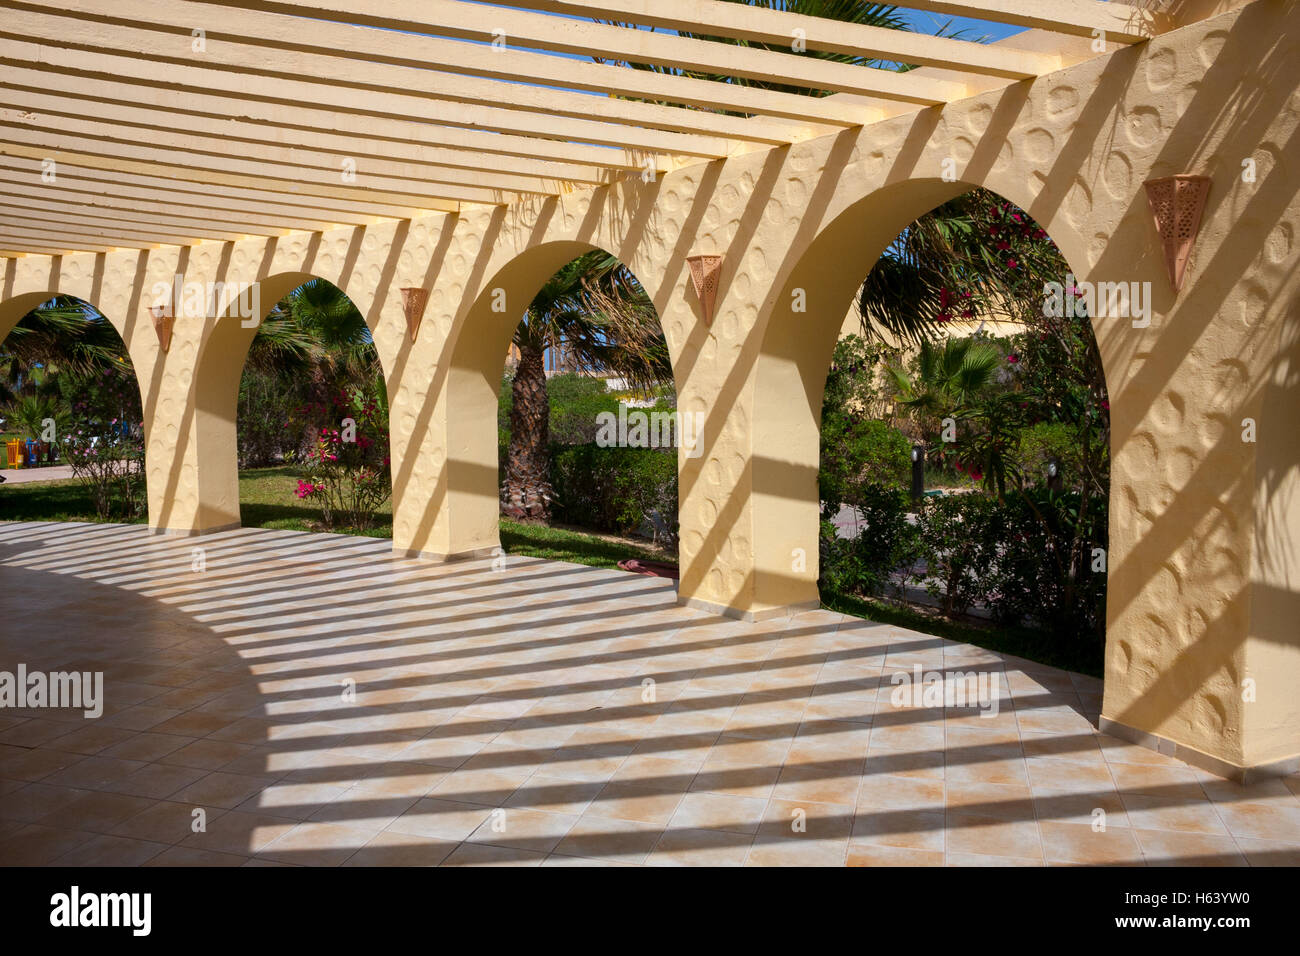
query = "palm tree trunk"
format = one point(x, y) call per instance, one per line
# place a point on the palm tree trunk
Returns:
point(527, 491)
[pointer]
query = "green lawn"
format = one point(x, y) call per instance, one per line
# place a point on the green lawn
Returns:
point(65, 500)
point(267, 500)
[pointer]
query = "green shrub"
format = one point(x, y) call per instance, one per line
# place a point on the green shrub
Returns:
point(859, 457)
point(1028, 560)
point(1050, 574)
point(573, 421)
point(858, 451)
point(961, 537)
point(616, 489)
point(1039, 444)
point(575, 401)
point(104, 440)
point(268, 429)
point(887, 543)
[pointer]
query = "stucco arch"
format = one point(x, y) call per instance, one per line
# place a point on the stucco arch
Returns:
point(218, 366)
point(791, 367)
point(459, 516)
point(12, 311)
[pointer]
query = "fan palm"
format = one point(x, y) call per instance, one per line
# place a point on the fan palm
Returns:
point(974, 255)
point(316, 329)
point(593, 309)
point(63, 334)
point(947, 377)
point(846, 11)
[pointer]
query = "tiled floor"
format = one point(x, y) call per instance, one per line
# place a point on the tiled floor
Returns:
point(540, 713)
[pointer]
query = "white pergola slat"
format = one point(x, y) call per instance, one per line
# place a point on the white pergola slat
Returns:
point(1124, 22)
point(192, 120)
point(762, 25)
point(362, 134)
point(284, 206)
point(521, 29)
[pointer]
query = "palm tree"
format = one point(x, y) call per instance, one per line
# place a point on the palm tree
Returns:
point(313, 342)
point(948, 377)
point(63, 334)
point(314, 329)
point(847, 11)
point(974, 255)
point(598, 313)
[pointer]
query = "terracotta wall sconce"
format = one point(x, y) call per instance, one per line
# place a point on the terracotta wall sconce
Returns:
point(163, 323)
point(1177, 203)
point(705, 271)
point(413, 302)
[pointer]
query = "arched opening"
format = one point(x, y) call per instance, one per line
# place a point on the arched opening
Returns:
point(71, 411)
point(564, 354)
point(965, 439)
point(294, 392)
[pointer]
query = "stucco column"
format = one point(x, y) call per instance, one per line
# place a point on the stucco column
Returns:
point(1203, 620)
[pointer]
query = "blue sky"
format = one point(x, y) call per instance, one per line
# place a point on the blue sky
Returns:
point(923, 22)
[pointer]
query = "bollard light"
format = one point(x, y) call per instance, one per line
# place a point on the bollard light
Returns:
point(918, 472)
point(1054, 481)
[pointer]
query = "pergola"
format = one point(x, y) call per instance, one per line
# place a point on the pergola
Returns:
point(192, 121)
point(435, 159)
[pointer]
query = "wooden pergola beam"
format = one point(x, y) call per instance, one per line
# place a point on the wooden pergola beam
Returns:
point(39, 214)
point(94, 199)
point(765, 25)
point(321, 86)
point(462, 126)
point(18, 249)
point(132, 84)
point(285, 206)
point(76, 240)
point(179, 131)
point(200, 167)
point(71, 208)
point(450, 18)
point(519, 69)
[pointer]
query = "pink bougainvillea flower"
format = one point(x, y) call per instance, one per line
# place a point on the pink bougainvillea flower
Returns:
point(1013, 358)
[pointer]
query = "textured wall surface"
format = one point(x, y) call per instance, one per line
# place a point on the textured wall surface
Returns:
point(1204, 564)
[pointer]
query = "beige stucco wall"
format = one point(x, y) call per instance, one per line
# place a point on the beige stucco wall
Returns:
point(1205, 552)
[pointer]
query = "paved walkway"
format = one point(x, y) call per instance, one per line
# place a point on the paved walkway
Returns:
point(542, 713)
point(19, 476)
